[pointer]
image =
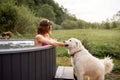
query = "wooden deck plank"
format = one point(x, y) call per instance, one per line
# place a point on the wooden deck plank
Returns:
point(64, 72)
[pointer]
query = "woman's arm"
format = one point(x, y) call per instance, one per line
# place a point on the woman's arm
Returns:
point(50, 41)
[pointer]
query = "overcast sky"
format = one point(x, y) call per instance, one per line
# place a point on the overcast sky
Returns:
point(91, 10)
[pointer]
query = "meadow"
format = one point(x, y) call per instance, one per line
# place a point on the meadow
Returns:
point(92, 39)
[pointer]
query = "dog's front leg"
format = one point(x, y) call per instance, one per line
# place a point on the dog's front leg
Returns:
point(79, 75)
point(100, 77)
point(74, 74)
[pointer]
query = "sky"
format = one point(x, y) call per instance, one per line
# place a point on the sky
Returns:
point(91, 10)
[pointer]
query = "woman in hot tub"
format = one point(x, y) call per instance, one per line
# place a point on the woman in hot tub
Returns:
point(42, 38)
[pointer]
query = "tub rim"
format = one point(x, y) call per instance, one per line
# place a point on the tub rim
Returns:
point(25, 49)
point(21, 50)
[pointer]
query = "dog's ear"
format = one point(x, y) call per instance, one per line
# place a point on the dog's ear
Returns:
point(77, 44)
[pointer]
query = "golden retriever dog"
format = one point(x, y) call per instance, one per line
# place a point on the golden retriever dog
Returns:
point(85, 64)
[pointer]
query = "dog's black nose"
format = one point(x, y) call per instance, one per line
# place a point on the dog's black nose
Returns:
point(63, 41)
point(66, 45)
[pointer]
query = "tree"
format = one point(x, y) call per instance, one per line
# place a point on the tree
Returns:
point(114, 24)
point(8, 17)
point(81, 24)
point(26, 22)
point(116, 17)
point(46, 11)
point(116, 20)
point(69, 24)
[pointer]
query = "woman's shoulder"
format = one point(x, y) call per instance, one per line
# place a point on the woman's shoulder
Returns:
point(38, 36)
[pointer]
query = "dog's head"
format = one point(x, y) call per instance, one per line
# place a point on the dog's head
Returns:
point(73, 43)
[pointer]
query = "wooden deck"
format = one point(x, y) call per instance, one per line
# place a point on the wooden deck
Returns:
point(64, 73)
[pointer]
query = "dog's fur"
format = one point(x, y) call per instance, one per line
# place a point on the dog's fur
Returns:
point(86, 64)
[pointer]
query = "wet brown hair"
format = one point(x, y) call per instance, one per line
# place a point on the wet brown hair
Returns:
point(44, 26)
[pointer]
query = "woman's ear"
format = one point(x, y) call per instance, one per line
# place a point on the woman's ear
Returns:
point(48, 26)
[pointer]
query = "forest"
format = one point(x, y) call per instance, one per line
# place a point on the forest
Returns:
point(23, 16)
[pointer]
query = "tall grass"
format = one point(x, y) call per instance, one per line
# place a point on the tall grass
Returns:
point(95, 38)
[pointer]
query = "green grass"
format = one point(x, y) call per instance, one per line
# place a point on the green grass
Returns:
point(94, 36)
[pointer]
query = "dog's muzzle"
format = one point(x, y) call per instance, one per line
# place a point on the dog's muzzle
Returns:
point(66, 45)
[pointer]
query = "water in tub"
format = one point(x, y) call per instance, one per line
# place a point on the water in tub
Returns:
point(11, 44)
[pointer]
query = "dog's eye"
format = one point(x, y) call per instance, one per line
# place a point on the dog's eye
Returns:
point(70, 40)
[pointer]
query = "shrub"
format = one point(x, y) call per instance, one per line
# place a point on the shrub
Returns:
point(26, 22)
point(107, 50)
point(17, 19)
point(69, 24)
point(56, 27)
point(87, 44)
point(8, 17)
point(46, 11)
